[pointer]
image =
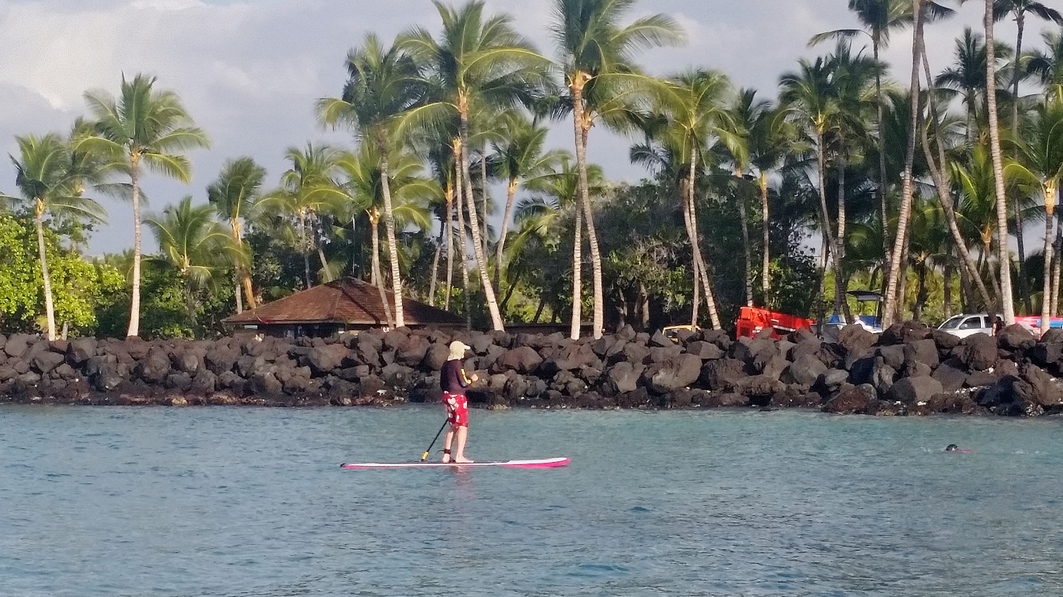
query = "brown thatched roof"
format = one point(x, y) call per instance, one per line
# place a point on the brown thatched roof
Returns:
point(347, 301)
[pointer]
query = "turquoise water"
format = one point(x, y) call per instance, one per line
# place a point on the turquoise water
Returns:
point(251, 502)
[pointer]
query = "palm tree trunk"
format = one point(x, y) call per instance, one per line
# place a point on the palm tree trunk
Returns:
point(511, 193)
point(746, 249)
point(134, 307)
point(941, 183)
point(321, 258)
point(765, 274)
point(1020, 243)
point(450, 247)
point(49, 308)
point(377, 278)
point(1057, 267)
point(881, 190)
point(824, 215)
point(695, 239)
point(389, 228)
point(485, 198)
point(582, 129)
point(244, 271)
point(1007, 305)
point(685, 191)
point(840, 304)
point(478, 248)
point(577, 275)
point(460, 238)
point(906, 183)
point(305, 248)
point(1046, 292)
point(435, 265)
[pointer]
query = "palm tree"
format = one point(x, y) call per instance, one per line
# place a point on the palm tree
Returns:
point(813, 105)
point(1047, 65)
point(596, 58)
point(363, 192)
point(967, 76)
point(142, 127)
point(521, 159)
point(197, 246)
point(308, 188)
point(693, 103)
point(1040, 162)
point(1019, 8)
point(879, 18)
point(891, 307)
point(50, 178)
point(233, 196)
point(480, 65)
point(383, 83)
point(1007, 305)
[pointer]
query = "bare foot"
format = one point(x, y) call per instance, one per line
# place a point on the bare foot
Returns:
point(446, 459)
point(462, 460)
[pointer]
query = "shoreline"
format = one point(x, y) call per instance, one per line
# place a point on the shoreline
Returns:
point(908, 370)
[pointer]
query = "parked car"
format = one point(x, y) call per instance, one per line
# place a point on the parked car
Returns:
point(968, 324)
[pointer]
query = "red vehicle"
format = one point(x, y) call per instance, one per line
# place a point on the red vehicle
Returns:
point(753, 320)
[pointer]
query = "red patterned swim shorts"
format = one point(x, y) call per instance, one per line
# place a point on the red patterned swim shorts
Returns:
point(457, 409)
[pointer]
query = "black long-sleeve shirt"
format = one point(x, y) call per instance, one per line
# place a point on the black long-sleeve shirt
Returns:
point(452, 377)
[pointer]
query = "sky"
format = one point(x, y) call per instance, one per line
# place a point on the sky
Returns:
point(249, 71)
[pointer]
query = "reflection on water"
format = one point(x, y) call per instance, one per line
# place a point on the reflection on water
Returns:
point(232, 501)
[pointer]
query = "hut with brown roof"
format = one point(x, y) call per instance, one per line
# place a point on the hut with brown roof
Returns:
point(336, 307)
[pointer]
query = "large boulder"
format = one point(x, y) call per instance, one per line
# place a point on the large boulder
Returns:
point(411, 350)
point(80, 350)
point(806, 370)
point(435, 357)
point(856, 339)
point(220, 359)
point(323, 359)
point(155, 365)
point(921, 351)
point(914, 390)
point(621, 378)
point(1016, 338)
point(674, 374)
point(722, 374)
point(853, 400)
point(18, 344)
point(705, 351)
point(523, 360)
point(951, 375)
point(44, 362)
point(980, 352)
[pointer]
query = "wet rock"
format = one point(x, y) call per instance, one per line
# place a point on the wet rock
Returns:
point(980, 352)
point(793, 397)
point(674, 374)
point(831, 381)
point(860, 399)
point(725, 400)
point(722, 374)
point(914, 390)
point(179, 381)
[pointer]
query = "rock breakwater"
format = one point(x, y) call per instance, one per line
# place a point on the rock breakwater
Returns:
point(909, 369)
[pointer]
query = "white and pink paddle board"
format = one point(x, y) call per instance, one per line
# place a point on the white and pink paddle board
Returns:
point(533, 463)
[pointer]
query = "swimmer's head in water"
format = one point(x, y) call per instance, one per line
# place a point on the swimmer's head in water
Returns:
point(951, 448)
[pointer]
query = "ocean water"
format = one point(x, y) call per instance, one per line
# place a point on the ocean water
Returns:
point(252, 502)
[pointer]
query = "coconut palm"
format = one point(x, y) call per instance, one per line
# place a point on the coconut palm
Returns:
point(196, 245)
point(142, 127)
point(363, 192)
point(597, 58)
point(1007, 306)
point(233, 196)
point(879, 18)
point(521, 158)
point(50, 177)
point(1047, 65)
point(480, 65)
point(693, 104)
point(1040, 163)
point(1018, 9)
point(383, 83)
point(308, 188)
point(967, 76)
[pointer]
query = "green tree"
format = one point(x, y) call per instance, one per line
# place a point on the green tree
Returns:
point(196, 246)
point(383, 83)
point(479, 65)
point(596, 52)
point(1047, 65)
point(142, 127)
point(233, 196)
point(50, 178)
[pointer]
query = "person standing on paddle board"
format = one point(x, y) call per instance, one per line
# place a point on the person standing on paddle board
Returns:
point(453, 380)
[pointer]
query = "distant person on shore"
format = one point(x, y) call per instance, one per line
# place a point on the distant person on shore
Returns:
point(453, 381)
point(955, 448)
point(998, 325)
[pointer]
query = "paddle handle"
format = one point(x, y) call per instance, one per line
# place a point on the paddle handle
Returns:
point(438, 433)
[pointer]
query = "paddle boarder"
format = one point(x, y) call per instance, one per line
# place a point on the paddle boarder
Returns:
point(453, 380)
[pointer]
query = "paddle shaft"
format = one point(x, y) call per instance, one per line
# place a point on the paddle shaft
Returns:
point(438, 433)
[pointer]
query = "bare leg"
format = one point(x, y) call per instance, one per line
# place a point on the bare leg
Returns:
point(459, 452)
point(448, 439)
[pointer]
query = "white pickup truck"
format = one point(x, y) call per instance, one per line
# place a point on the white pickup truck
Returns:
point(968, 324)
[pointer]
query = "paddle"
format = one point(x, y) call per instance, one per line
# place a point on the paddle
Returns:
point(425, 455)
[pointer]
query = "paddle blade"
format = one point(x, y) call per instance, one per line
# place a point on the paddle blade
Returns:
point(424, 456)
